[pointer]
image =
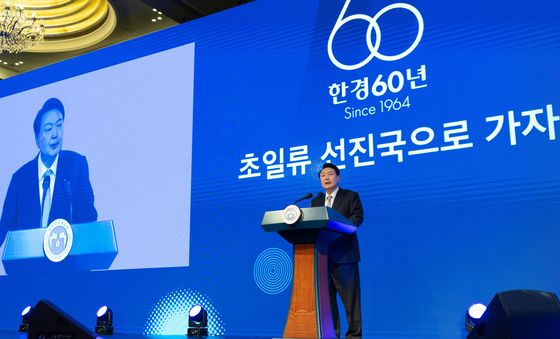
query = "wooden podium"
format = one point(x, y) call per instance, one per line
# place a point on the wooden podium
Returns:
point(310, 312)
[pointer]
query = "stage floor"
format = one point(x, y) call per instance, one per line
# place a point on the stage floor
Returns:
point(18, 335)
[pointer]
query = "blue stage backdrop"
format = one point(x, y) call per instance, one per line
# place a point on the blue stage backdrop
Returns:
point(444, 117)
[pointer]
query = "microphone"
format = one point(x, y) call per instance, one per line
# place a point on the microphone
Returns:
point(307, 196)
point(69, 191)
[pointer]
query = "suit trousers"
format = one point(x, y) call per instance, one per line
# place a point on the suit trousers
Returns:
point(344, 279)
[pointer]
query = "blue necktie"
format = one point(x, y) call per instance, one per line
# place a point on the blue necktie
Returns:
point(46, 208)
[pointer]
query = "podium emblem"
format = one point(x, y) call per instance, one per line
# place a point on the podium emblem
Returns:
point(291, 214)
point(58, 239)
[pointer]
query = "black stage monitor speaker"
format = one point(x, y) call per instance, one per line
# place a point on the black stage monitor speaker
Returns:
point(520, 314)
point(49, 322)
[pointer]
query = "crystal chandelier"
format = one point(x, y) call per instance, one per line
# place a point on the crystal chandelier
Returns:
point(18, 31)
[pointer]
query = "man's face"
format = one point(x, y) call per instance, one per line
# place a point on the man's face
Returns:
point(49, 139)
point(329, 179)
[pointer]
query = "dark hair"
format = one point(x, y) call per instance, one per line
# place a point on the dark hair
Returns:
point(49, 105)
point(329, 165)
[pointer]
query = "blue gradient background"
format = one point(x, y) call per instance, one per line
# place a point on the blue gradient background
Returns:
point(441, 230)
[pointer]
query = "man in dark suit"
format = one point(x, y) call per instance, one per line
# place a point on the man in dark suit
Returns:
point(344, 253)
point(55, 184)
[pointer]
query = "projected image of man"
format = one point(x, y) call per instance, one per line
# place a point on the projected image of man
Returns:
point(344, 253)
point(55, 184)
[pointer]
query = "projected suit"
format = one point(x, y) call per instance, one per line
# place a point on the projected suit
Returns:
point(72, 194)
point(344, 253)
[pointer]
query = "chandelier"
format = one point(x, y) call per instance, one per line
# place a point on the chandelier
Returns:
point(18, 32)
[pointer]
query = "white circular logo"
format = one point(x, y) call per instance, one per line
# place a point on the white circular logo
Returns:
point(58, 240)
point(291, 214)
point(373, 26)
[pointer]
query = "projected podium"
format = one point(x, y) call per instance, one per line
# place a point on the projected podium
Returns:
point(93, 246)
point(310, 313)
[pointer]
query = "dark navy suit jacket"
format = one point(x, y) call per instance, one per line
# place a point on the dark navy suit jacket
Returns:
point(345, 249)
point(72, 196)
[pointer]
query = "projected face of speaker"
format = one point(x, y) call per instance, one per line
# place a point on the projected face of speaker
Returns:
point(49, 139)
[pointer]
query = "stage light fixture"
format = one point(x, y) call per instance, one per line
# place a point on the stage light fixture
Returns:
point(104, 323)
point(519, 314)
point(198, 322)
point(473, 315)
point(25, 316)
point(47, 321)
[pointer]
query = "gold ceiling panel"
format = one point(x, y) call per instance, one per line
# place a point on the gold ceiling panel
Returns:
point(89, 18)
point(33, 4)
point(78, 23)
point(60, 11)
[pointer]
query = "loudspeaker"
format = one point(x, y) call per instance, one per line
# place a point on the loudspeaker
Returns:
point(48, 322)
point(520, 314)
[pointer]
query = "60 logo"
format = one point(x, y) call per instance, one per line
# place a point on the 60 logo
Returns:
point(373, 26)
